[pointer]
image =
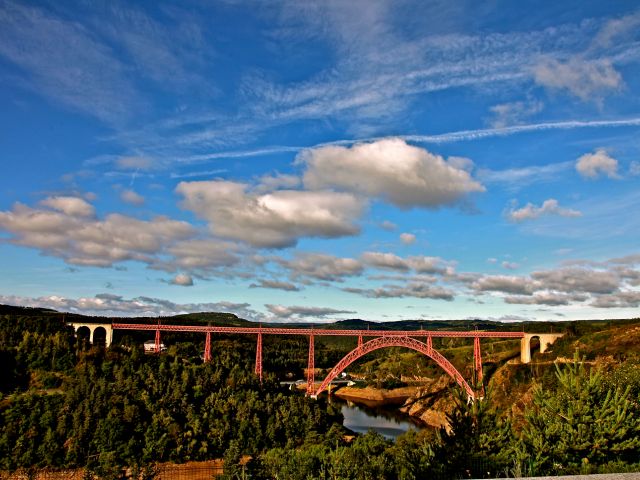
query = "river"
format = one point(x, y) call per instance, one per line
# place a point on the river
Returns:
point(388, 422)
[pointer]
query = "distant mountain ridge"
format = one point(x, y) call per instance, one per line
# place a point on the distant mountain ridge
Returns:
point(232, 320)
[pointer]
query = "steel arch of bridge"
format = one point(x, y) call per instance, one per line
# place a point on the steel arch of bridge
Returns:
point(396, 341)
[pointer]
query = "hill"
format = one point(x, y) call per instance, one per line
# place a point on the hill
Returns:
point(65, 403)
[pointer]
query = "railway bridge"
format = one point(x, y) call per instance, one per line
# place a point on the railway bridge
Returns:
point(368, 341)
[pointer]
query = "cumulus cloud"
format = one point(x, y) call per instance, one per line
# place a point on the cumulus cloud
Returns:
point(276, 285)
point(424, 264)
point(282, 311)
point(587, 80)
point(390, 169)
point(71, 206)
point(272, 220)
point(270, 183)
point(182, 279)
point(573, 279)
point(412, 289)
point(628, 299)
point(321, 266)
point(629, 275)
point(388, 226)
point(68, 232)
point(387, 261)
point(632, 259)
point(107, 304)
point(199, 255)
point(602, 282)
point(546, 298)
point(129, 196)
point(592, 165)
point(609, 284)
point(408, 238)
point(548, 207)
point(505, 283)
point(418, 263)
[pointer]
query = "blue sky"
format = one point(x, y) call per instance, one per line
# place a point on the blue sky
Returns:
point(291, 161)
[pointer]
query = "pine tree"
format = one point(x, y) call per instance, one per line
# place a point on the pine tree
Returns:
point(583, 424)
point(477, 443)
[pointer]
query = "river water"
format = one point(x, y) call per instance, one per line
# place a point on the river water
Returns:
point(360, 417)
point(388, 422)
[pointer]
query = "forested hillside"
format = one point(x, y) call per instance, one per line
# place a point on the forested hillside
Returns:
point(64, 403)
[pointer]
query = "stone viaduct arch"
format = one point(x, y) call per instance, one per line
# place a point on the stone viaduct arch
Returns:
point(546, 339)
point(396, 341)
point(106, 327)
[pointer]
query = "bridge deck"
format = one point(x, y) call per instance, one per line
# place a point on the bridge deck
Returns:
point(317, 331)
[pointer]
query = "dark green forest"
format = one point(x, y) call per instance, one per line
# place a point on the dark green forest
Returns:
point(65, 404)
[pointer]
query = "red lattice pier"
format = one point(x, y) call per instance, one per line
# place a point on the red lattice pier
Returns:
point(418, 340)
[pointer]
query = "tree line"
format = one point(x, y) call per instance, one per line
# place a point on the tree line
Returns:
point(65, 404)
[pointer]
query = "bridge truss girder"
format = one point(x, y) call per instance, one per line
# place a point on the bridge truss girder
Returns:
point(396, 341)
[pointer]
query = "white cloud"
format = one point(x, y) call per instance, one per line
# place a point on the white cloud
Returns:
point(634, 168)
point(408, 238)
point(417, 263)
point(547, 298)
point(444, 138)
point(510, 265)
point(411, 289)
point(592, 165)
point(72, 206)
point(272, 220)
point(199, 255)
point(107, 304)
point(632, 259)
point(270, 183)
point(588, 80)
point(390, 169)
point(388, 226)
point(515, 178)
point(384, 260)
point(424, 264)
point(628, 299)
point(182, 279)
point(506, 284)
point(513, 113)
point(577, 280)
point(134, 163)
point(617, 27)
point(320, 266)
point(548, 207)
point(68, 232)
point(72, 72)
point(282, 311)
point(629, 275)
point(276, 285)
point(129, 196)
point(381, 71)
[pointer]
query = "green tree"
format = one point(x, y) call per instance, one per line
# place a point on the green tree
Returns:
point(583, 424)
point(476, 444)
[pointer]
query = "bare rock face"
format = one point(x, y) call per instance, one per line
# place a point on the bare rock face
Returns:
point(435, 419)
point(431, 403)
